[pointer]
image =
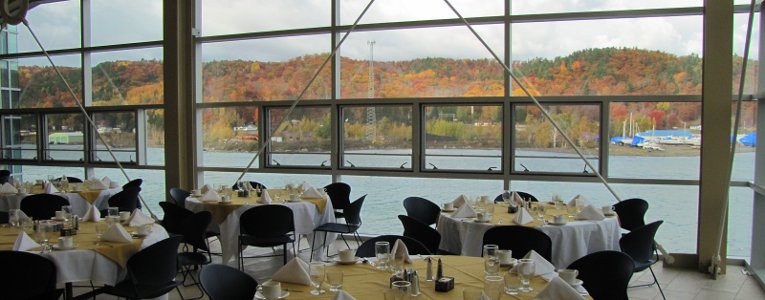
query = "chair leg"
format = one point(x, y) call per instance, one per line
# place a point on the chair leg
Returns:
point(657, 283)
point(313, 244)
point(284, 252)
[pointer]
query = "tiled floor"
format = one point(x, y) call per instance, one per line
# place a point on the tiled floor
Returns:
point(678, 284)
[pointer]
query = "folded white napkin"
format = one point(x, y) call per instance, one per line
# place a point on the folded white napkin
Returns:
point(523, 217)
point(116, 233)
point(265, 198)
point(21, 215)
point(579, 200)
point(95, 184)
point(205, 188)
point(343, 295)
point(49, 188)
point(311, 193)
point(295, 271)
point(591, 213)
point(558, 289)
point(460, 200)
point(541, 265)
point(464, 211)
point(24, 242)
point(210, 195)
point(400, 251)
point(517, 199)
point(114, 185)
point(305, 186)
point(8, 188)
point(137, 218)
point(92, 215)
point(106, 181)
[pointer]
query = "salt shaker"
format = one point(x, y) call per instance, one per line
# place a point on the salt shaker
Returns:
point(429, 272)
point(414, 279)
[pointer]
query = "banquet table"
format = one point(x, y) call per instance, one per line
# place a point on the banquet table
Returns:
point(80, 200)
point(364, 281)
point(308, 214)
point(574, 239)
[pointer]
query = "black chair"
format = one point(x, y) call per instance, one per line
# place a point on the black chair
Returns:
point(351, 226)
point(194, 235)
point(340, 195)
point(605, 274)
point(5, 176)
point(36, 279)
point(174, 217)
point(3, 217)
point(126, 199)
point(150, 272)
point(422, 209)
point(178, 196)
point(133, 183)
point(520, 240)
point(222, 282)
point(266, 226)
point(42, 206)
point(523, 195)
point(367, 249)
point(639, 245)
point(631, 213)
point(254, 184)
point(421, 232)
point(69, 179)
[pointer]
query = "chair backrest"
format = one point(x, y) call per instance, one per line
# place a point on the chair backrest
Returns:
point(174, 217)
point(126, 199)
point(4, 217)
point(524, 195)
point(520, 240)
point(133, 183)
point(631, 212)
point(221, 282)
point(42, 206)
point(353, 212)
point(254, 184)
point(155, 266)
point(367, 248)
point(421, 232)
point(5, 176)
point(605, 274)
point(422, 209)
point(271, 220)
point(638, 243)
point(35, 277)
point(340, 194)
point(178, 196)
point(194, 229)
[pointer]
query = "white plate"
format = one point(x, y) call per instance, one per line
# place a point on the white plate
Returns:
point(509, 263)
point(259, 295)
point(342, 262)
point(557, 224)
point(59, 248)
point(576, 283)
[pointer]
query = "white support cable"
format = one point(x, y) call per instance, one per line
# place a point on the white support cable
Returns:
point(300, 96)
point(85, 113)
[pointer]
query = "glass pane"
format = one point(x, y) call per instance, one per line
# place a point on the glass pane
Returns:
point(740, 22)
point(405, 10)
point(128, 77)
point(230, 136)
point(155, 137)
point(270, 180)
point(539, 147)
point(266, 69)
point(19, 137)
point(463, 137)
point(66, 137)
point(153, 189)
point(377, 136)
point(740, 217)
point(110, 16)
point(56, 24)
point(657, 140)
point(42, 87)
point(118, 130)
point(240, 16)
point(559, 6)
point(635, 56)
point(301, 138)
point(426, 62)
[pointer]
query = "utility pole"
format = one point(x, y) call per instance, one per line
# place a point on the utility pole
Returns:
point(371, 115)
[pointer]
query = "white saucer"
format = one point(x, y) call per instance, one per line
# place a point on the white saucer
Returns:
point(59, 248)
point(509, 263)
point(557, 224)
point(342, 262)
point(576, 283)
point(610, 214)
point(259, 295)
point(196, 195)
point(138, 235)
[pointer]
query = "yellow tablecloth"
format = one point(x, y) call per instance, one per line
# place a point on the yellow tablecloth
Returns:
point(221, 210)
point(87, 194)
point(502, 217)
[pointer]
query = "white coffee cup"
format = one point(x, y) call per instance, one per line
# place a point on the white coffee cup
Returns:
point(607, 210)
point(124, 215)
point(66, 242)
point(271, 289)
point(294, 197)
point(568, 275)
point(504, 255)
point(448, 206)
point(144, 230)
point(225, 199)
point(194, 193)
point(347, 255)
point(60, 215)
point(559, 219)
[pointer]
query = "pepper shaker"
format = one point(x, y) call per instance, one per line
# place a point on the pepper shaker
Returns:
point(429, 272)
point(440, 270)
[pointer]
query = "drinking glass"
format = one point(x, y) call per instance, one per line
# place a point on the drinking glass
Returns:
point(491, 259)
point(27, 224)
point(318, 273)
point(526, 272)
point(335, 280)
point(113, 211)
point(401, 290)
point(541, 211)
point(382, 255)
point(472, 294)
point(101, 227)
point(42, 234)
point(512, 283)
point(67, 211)
point(13, 217)
point(492, 287)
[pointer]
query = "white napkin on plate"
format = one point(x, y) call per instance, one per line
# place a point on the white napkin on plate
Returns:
point(8, 188)
point(116, 233)
point(541, 265)
point(50, 189)
point(295, 271)
point(400, 251)
point(24, 242)
point(460, 200)
point(210, 195)
point(464, 211)
point(311, 193)
point(265, 198)
point(558, 289)
point(205, 188)
point(579, 200)
point(92, 215)
point(343, 295)
point(517, 199)
point(95, 184)
point(137, 218)
point(591, 213)
point(523, 217)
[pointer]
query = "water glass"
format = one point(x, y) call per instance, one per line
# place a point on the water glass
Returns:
point(13, 217)
point(401, 290)
point(318, 273)
point(67, 211)
point(335, 280)
point(27, 224)
point(526, 271)
point(382, 255)
point(472, 294)
point(493, 286)
point(512, 283)
point(491, 259)
point(113, 211)
point(101, 227)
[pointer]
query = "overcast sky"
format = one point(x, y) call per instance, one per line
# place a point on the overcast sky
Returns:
point(116, 21)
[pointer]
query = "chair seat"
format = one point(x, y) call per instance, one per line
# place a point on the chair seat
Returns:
point(337, 228)
point(265, 241)
point(126, 290)
point(642, 265)
point(192, 258)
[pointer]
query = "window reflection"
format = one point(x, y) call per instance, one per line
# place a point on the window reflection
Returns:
point(463, 137)
point(377, 136)
point(301, 138)
point(65, 138)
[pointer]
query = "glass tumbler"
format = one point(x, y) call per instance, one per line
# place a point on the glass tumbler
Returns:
point(491, 259)
point(401, 290)
point(382, 255)
point(493, 287)
point(335, 280)
point(526, 271)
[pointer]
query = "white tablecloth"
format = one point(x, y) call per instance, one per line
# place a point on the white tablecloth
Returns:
point(570, 241)
point(306, 216)
point(78, 203)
